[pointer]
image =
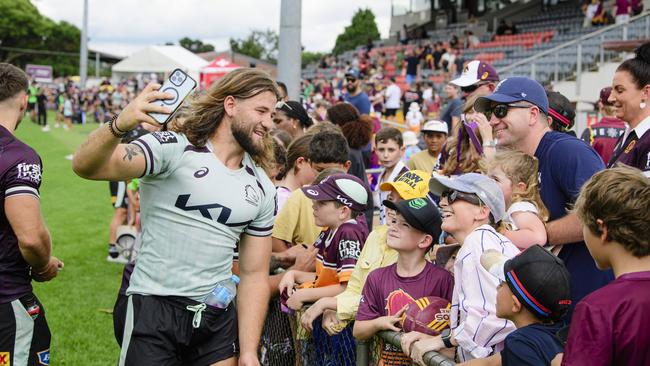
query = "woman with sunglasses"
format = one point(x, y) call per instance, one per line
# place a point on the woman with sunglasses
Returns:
point(292, 117)
point(471, 140)
point(472, 206)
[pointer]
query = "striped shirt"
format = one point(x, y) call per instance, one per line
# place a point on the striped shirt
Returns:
point(474, 323)
point(194, 210)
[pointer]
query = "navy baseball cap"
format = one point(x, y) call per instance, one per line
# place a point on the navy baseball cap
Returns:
point(515, 89)
point(344, 188)
point(420, 213)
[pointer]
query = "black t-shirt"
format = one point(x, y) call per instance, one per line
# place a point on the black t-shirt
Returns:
point(412, 65)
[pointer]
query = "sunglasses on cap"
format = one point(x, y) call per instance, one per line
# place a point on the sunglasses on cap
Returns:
point(281, 104)
point(453, 196)
point(501, 110)
point(471, 88)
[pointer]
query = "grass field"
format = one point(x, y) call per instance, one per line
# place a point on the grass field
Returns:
point(77, 212)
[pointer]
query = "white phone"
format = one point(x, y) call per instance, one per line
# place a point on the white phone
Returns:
point(180, 85)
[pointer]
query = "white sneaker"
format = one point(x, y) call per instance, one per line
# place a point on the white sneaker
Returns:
point(46, 128)
point(119, 259)
point(57, 125)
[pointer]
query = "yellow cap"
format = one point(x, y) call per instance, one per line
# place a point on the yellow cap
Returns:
point(409, 185)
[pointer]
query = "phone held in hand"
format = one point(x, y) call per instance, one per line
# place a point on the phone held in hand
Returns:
point(180, 85)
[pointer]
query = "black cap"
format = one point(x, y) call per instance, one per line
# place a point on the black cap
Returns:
point(540, 281)
point(420, 213)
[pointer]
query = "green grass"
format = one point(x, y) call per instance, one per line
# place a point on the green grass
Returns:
point(77, 212)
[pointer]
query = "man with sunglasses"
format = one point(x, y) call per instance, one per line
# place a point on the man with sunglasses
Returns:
point(355, 95)
point(477, 77)
point(518, 111)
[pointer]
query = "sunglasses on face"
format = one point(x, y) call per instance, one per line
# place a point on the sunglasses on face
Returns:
point(453, 196)
point(281, 104)
point(351, 80)
point(501, 110)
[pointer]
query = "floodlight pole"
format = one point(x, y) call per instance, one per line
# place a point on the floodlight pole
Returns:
point(83, 55)
point(290, 49)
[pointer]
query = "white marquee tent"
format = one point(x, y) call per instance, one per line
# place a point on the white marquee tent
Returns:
point(160, 60)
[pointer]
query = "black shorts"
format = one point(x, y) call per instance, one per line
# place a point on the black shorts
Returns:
point(119, 317)
point(159, 331)
point(24, 338)
point(30, 107)
point(390, 112)
point(119, 198)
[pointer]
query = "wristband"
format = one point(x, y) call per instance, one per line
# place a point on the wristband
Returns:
point(491, 143)
point(114, 130)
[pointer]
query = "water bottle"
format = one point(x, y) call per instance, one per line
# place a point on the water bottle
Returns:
point(224, 293)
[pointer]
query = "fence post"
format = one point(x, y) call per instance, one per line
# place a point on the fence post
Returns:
point(557, 66)
point(363, 350)
point(625, 32)
point(532, 71)
point(647, 27)
point(578, 69)
point(602, 49)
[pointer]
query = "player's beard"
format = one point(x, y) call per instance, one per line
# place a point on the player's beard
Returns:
point(242, 134)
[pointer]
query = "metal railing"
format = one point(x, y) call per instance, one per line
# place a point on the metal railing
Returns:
point(560, 70)
point(431, 358)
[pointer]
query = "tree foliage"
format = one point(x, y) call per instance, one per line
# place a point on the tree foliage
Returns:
point(195, 45)
point(311, 57)
point(28, 37)
point(260, 44)
point(362, 29)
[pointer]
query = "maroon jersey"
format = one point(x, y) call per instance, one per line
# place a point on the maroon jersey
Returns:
point(636, 151)
point(604, 135)
point(386, 293)
point(20, 174)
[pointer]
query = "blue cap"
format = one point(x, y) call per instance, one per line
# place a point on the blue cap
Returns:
point(485, 188)
point(515, 89)
point(352, 73)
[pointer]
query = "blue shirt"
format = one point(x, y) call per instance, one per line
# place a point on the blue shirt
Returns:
point(535, 344)
point(453, 109)
point(359, 101)
point(565, 164)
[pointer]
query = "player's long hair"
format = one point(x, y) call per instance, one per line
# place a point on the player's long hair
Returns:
point(207, 111)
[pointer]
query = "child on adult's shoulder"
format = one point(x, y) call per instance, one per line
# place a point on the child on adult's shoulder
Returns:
point(389, 149)
point(610, 325)
point(516, 175)
point(534, 293)
point(414, 118)
point(411, 232)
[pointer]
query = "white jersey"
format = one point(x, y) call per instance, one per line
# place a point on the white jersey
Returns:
point(194, 210)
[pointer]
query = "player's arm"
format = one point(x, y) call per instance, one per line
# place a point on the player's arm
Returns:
point(102, 157)
point(24, 215)
point(309, 295)
point(253, 292)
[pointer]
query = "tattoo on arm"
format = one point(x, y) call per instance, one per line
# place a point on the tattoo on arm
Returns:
point(131, 152)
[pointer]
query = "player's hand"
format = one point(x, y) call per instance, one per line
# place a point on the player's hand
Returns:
point(136, 111)
point(306, 260)
point(408, 339)
point(287, 282)
point(295, 301)
point(331, 322)
point(310, 315)
point(48, 272)
point(423, 346)
point(390, 322)
point(248, 359)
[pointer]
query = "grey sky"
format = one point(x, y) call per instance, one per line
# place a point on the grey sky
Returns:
point(125, 25)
